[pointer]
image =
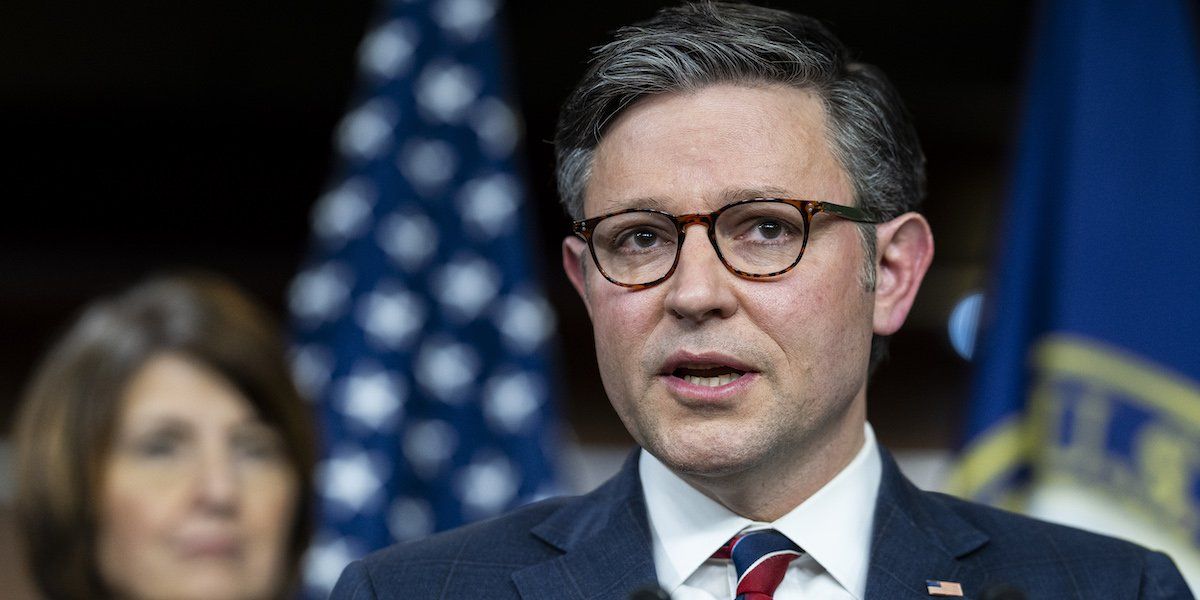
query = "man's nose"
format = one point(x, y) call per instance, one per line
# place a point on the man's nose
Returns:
point(700, 287)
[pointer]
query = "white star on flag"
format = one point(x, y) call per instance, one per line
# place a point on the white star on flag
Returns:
point(447, 369)
point(325, 561)
point(428, 445)
point(428, 164)
point(392, 318)
point(342, 213)
point(489, 203)
point(497, 126)
point(320, 294)
point(445, 90)
point(373, 396)
point(350, 479)
point(408, 238)
point(525, 319)
point(510, 400)
point(464, 18)
point(387, 51)
point(487, 485)
point(367, 131)
point(466, 286)
point(312, 365)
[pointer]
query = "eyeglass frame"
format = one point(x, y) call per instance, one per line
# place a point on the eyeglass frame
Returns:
point(808, 209)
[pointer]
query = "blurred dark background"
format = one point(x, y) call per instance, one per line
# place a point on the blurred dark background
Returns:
point(145, 136)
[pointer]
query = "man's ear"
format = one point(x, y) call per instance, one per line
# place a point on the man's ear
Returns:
point(574, 255)
point(904, 251)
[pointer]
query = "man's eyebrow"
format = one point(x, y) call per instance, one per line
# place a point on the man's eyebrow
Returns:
point(728, 195)
point(651, 202)
point(746, 193)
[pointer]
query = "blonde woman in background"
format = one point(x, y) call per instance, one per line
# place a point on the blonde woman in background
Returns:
point(163, 452)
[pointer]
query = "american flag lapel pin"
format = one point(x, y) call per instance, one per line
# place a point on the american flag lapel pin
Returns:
point(943, 588)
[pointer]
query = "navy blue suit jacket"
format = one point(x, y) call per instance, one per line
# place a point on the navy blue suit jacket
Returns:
point(598, 546)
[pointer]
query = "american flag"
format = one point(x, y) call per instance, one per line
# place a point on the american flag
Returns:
point(421, 333)
point(943, 588)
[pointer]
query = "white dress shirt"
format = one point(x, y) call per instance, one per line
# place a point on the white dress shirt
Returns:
point(833, 527)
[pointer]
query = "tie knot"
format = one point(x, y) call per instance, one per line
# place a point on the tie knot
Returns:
point(761, 558)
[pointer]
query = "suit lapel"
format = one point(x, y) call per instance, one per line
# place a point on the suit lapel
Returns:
point(916, 539)
point(605, 540)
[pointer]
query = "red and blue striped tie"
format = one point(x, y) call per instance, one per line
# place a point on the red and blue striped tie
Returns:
point(760, 558)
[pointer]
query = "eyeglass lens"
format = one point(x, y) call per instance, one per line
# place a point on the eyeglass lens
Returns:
point(757, 238)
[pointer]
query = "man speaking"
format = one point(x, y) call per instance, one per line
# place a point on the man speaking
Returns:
point(745, 241)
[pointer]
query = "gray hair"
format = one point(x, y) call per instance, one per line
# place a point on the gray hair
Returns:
point(688, 47)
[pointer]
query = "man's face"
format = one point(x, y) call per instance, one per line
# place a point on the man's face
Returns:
point(797, 345)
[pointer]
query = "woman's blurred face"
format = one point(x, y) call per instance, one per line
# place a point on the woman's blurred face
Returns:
point(197, 495)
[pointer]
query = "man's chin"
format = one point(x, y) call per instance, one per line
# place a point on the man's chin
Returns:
point(704, 460)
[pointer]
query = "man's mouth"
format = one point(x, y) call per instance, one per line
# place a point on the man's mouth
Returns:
point(708, 376)
point(704, 369)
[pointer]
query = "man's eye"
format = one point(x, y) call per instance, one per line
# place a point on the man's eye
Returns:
point(639, 239)
point(773, 230)
point(644, 239)
point(770, 229)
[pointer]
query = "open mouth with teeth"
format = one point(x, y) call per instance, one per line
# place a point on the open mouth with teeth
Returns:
point(708, 376)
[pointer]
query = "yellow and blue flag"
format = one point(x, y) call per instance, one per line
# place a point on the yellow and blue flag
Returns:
point(422, 334)
point(1086, 399)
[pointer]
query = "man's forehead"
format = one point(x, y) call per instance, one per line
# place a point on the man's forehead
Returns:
point(775, 101)
point(696, 151)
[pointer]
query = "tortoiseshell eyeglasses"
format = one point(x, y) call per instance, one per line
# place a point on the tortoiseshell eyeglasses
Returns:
point(757, 238)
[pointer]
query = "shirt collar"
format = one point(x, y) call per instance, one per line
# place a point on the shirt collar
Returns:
point(833, 525)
